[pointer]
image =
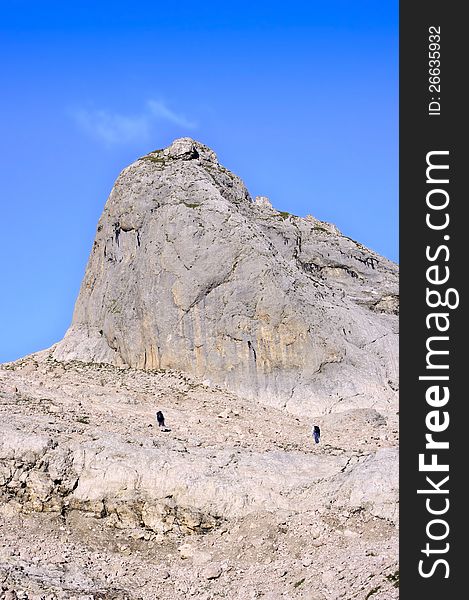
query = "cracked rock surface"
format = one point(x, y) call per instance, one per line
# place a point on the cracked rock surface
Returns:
point(236, 501)
point(245, 326)
point(187, 272)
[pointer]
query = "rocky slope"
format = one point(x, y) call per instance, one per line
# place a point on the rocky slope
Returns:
point(246, 326)
point(236, 501)
point(187, 273)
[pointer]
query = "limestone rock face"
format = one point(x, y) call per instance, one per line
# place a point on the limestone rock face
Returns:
point(187, 272)
point(97, 501)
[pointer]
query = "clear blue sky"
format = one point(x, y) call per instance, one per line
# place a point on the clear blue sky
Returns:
point(300, 99)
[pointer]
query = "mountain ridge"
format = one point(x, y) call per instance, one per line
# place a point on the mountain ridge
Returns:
point(188, 272)
point(246, 327)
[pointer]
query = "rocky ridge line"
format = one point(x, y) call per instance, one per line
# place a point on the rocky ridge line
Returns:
point(188, 273)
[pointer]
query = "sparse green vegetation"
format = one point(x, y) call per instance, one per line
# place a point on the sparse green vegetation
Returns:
point(83, 419)
point(189, 205)
point(283, 214)
point(373, 591)
point(319, 228)
point(357, 244)
point(114, 307)
point(155, 159)
point(298, 583)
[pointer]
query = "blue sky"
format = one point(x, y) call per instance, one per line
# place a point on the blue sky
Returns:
point(300, 99)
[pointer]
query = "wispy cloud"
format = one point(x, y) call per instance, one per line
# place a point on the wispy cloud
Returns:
point(114, 128)
point(160, 111)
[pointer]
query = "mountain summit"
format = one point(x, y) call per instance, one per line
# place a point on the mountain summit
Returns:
point(190, 278)
point(187, 272)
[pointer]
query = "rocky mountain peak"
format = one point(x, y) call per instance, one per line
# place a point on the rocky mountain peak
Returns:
point(263, 201)
point(186, 149)
point(187, 272)
point(224, 313)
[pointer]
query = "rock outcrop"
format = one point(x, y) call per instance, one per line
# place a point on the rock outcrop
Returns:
point(188, 273)
point(236, 501)
point(229, 316)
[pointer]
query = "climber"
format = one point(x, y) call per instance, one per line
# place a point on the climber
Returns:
point(161, 423)
point(316, 433)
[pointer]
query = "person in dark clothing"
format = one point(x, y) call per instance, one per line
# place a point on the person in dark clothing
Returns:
point(316, 433)
point(160, 420)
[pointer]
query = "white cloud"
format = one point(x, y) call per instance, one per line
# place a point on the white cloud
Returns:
point(160, 111)
point(114, 128)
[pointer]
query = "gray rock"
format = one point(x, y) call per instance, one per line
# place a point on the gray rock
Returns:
point(262, 201)
point(212, 571)
point(371, 485)
point(188, 273)
point(165, 490)
point(250, 493)
point(192, 287)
